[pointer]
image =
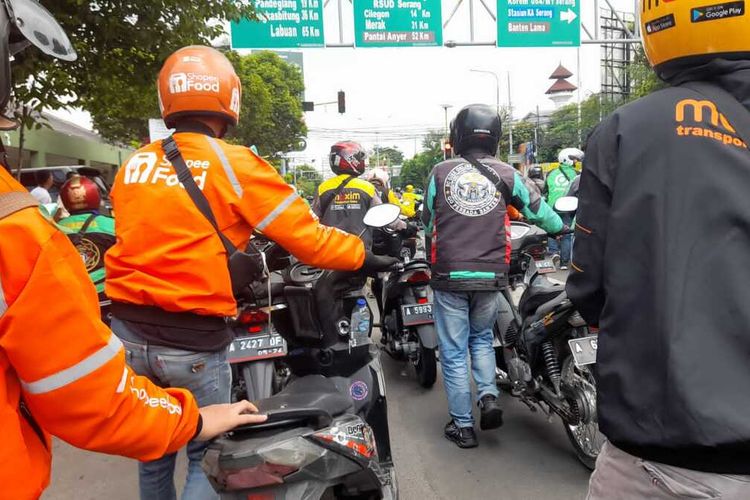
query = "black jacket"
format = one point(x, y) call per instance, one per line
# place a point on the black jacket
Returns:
point(661, 265)
point(467, 222)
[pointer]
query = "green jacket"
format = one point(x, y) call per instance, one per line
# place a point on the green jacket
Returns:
point(92, 244)
point(558, 183)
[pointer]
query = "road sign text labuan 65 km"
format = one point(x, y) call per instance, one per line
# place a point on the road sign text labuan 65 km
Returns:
point(538, 23)
point(397, 23)
point(281, 24)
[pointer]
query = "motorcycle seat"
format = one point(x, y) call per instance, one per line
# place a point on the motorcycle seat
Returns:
point(311, 400)
point(541, 292)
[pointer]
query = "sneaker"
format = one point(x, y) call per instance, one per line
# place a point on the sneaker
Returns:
point(464, 437)
point(556, 259)
point(564, 267)
point(492, 415)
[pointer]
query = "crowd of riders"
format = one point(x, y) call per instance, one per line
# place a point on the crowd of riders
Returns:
point(650, 269)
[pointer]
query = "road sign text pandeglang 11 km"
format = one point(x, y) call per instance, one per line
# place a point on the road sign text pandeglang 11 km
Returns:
point(281, 24)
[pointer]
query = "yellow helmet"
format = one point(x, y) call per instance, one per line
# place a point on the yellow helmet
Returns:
point(409, 188)
point(686, 33)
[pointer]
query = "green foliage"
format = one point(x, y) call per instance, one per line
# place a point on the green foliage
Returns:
point(271, 116)
point(643, 78)
point(416, 170)
point(121, 46)
point(308, 179)
point(386, 156)
point(562, 131)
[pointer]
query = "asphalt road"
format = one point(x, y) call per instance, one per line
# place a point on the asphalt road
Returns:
point(529, 458)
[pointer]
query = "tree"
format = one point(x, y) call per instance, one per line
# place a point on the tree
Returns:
point(562, 131)
point(307, 179)
point(643, 78)
point(121, 46)
point(386, 156)
point(416, 170)
point(271, 117)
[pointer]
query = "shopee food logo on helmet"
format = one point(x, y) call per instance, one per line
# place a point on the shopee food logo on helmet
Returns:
point(185, 82)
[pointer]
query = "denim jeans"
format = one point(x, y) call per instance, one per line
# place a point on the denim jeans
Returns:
point(563, 246)
point(207, 375)
point(464, 324)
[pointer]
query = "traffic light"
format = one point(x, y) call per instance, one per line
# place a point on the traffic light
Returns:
point(342, 102)
point(308, 106)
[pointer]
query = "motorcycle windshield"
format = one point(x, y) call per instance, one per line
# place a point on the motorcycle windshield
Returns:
point(40, 28)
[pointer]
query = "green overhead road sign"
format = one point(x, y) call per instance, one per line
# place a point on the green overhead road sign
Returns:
point(538, 23)
point(397, 23)
point(281, 24)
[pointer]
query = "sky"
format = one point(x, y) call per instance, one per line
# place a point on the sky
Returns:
point(394, 95)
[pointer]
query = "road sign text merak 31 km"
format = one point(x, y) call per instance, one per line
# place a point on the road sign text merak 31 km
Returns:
point(397, 23)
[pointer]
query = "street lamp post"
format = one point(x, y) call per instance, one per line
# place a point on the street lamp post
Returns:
point(497, 103)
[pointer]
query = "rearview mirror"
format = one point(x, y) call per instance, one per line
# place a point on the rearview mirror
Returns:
point(566, 205)
point(381, 215)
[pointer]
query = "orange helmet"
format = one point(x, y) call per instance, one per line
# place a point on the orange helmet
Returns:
point(198, 81)
point(80, 193)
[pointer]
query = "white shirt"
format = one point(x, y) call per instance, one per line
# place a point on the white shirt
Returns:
point(41, 194)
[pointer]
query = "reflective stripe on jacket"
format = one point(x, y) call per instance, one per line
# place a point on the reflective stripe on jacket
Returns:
point(67, 367)
point(168, 255)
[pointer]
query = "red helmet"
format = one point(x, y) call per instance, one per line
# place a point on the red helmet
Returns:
point(348, 157)
point(80, 194)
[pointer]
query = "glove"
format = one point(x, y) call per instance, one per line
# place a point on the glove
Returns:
point(378, 263)
point(565, 230)
point(410, 231)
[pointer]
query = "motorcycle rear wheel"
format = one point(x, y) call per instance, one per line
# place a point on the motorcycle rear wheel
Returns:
point(585, 437)
point(425, 365)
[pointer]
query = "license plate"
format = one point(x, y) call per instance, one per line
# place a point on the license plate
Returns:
point(584, 350)
point(417, 314)
point(256, 347)
point(545, 266)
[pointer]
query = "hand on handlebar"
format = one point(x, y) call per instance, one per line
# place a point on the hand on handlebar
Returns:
point(565, 230)
point(411, 230)
point(378, 263)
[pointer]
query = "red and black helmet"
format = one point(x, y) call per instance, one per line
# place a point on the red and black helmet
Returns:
point(80, 194)
point(348, 157)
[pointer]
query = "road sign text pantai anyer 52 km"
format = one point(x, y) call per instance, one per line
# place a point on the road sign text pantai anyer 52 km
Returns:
point(281, 24)
point(538, 23)
point(397, 23)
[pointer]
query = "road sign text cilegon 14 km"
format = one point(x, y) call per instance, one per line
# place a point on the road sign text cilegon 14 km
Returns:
point(397, 23)
point(538, 23)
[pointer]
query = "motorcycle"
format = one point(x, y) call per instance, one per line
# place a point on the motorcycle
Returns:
point(327, 431)
point(257, 350)
point(545, 352)
point(407, 321)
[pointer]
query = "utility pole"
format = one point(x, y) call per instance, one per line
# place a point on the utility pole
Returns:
point(510, 125)
point(445, 132)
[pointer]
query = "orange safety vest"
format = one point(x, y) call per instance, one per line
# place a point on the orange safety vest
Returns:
point(62, 372)
point(168, 255)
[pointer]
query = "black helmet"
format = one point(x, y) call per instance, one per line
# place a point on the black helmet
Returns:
point(476, 126)
point(536, 172)
point(24, 23)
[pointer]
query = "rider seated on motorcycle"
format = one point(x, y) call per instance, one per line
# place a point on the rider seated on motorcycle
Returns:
point(91, 232)
point(343, 201)
point(379, 178)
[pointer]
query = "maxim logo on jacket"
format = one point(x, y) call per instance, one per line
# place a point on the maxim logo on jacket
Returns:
point(701, 115)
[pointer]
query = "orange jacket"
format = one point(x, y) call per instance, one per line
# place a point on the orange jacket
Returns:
point(66, 365)
point(168, 255)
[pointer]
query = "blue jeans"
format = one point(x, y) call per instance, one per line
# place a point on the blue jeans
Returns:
point(207, 375)
point(464, 324)
point(563, 247)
